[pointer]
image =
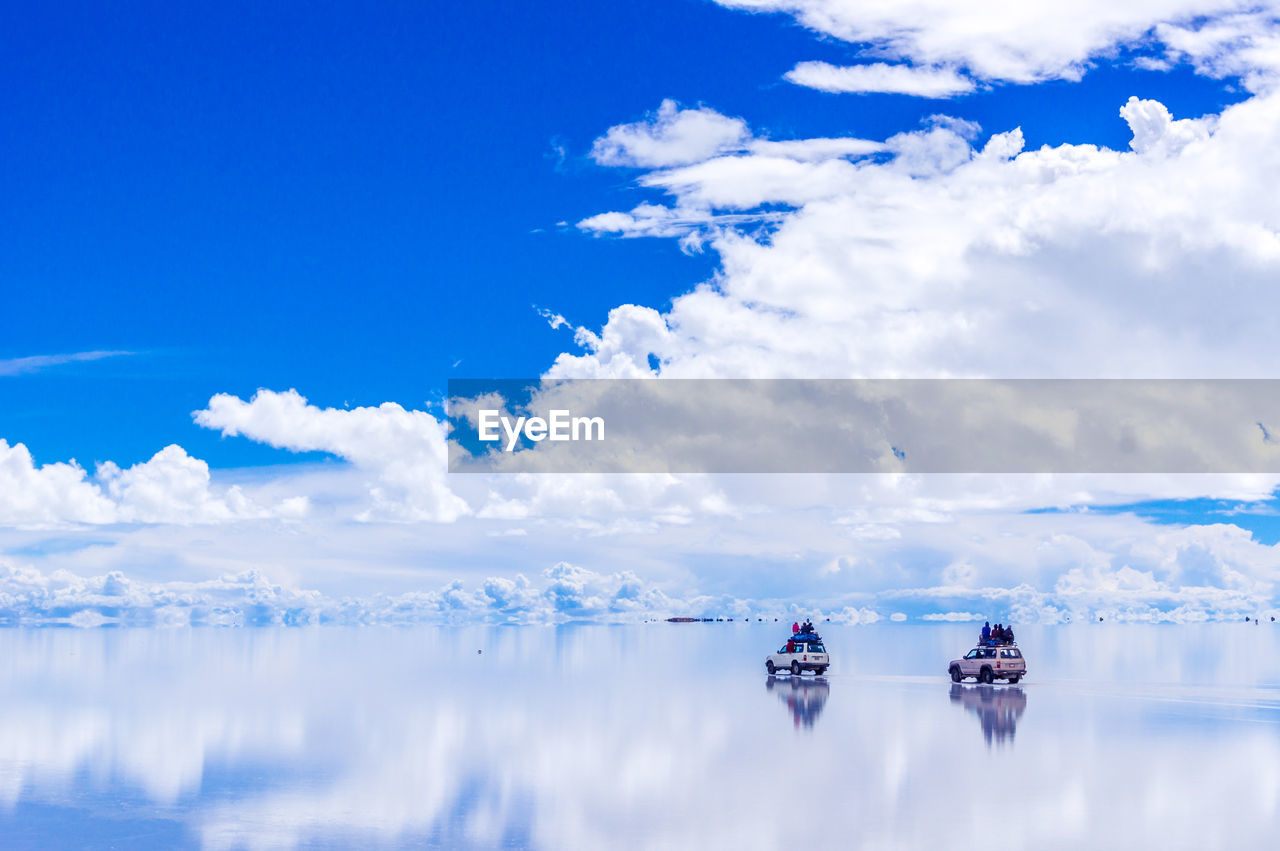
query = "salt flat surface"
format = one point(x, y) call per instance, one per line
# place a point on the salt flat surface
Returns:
point(636, 736)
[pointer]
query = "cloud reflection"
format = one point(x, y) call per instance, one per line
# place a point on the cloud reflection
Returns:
point(590, 737)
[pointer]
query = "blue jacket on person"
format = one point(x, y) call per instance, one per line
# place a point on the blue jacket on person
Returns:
point(986, 632)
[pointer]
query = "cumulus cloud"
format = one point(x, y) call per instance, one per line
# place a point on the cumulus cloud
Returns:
point(671, 136)
point(403, 450)
point(32, 495)
point(880, 77)
point(173, 487)
point(735, 172)
point(170, 487)
point(1031, 42)
point(1245, 45)
point(564, 592)
point(953, 256)
point(768, 562)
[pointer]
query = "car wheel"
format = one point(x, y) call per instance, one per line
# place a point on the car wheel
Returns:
point(984, 676)
point(1014, 680)
point(819, 671)
point(795, 669)
point(956, 676)
point(768, 666)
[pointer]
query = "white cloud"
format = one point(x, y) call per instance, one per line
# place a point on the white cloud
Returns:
point(1244, 45)
point(48, 494)
point(1011, 41)
point(954, 617)
point(672, 136)
point(740, 172)
point(564, 592)
point(403, 450)
point(171, 487)
point(770, 558)
point(949, 258)
point(815, 149)
point(880, 77)
point(36, 363)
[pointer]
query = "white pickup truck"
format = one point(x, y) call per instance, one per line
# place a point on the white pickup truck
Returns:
point(987, 663)
point(802, 652)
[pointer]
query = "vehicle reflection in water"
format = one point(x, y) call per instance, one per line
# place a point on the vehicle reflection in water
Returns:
point(997, 707)
point(803, 696)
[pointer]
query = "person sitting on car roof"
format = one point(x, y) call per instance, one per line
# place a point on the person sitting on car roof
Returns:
point(1008, 634)
point(986, 632)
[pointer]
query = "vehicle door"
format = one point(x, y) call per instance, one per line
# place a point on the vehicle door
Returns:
point(987, 656)
point(971, 662)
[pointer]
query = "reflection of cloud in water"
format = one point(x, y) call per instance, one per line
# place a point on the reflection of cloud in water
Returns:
point(997, 707)
point(804, 697)
point(587, 737)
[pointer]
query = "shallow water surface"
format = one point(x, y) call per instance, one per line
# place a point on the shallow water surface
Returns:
point(635, 736)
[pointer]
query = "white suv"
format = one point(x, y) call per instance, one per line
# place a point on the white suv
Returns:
point(986, 663)
point(807, 653)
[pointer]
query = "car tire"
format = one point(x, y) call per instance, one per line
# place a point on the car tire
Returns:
point(769, 666)
point(984, 676)
point(819, 671)
point(795, 669)
point(956, 676)
point(1014, 680)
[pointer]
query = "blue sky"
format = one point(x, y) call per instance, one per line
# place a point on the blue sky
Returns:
point(352, 201)
point(361, 204)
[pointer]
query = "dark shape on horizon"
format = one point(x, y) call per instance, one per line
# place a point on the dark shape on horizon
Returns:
point(1099, 618)
point(998, 709)
point(805, 698)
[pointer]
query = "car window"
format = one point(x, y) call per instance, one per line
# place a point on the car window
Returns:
point(989, 653)
point(1015, 653)
point(972, 654)
point(816, 648)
